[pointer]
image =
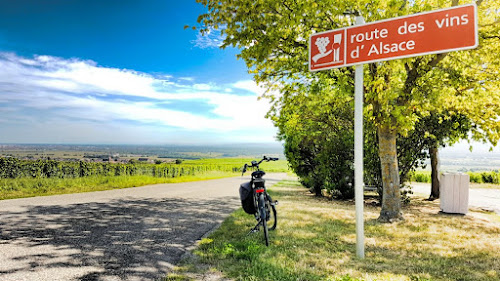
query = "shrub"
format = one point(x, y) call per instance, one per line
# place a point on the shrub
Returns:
point(475, 177)
point(422, 177)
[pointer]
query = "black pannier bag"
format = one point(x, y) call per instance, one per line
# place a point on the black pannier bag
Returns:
point(247, 198)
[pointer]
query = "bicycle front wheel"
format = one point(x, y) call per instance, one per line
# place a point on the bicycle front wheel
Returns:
point(272, 218)
point(272, 215)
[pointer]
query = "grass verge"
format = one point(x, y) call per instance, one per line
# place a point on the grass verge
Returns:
point(30, 187)
point(315, 240)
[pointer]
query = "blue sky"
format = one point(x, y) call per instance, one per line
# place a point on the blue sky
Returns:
point(124, 72)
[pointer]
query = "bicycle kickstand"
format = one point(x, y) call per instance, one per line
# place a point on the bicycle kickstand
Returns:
point(255, 229)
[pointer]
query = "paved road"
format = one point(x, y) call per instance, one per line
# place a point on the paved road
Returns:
point(488, 199)
point(128, 234)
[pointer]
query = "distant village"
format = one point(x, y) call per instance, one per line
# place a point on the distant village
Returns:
point(102, 158)
point(115, 158)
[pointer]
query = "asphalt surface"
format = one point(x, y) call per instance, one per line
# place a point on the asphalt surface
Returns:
point(483, 198)
point(127, 234)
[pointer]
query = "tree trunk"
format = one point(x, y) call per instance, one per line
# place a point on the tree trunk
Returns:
point(317, 190)
point(433, 151)
point(391, 196)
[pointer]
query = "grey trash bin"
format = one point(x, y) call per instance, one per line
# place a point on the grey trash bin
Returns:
point(454, 193)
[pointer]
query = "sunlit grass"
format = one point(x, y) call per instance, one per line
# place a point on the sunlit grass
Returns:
point(315, 240)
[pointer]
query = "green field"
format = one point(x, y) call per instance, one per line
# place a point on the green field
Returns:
point(271, 166)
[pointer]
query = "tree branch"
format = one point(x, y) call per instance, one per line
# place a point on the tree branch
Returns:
point(491, 37)
point(437, 59)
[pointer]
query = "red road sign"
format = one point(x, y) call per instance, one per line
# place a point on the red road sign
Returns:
point(426, 33)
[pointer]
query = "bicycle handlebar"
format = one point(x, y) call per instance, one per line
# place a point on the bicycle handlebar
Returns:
point(256, 164)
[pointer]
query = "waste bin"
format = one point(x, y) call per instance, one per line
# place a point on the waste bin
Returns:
point(454, 193)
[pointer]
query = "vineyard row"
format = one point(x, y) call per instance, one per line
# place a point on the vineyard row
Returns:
point(15, 168)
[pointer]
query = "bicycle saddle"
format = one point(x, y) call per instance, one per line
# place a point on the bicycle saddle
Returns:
point(258, 174)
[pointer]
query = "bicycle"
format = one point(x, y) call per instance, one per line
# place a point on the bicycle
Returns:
point(255, 199)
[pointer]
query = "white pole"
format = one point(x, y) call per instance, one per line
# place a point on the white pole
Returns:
point(358, 155)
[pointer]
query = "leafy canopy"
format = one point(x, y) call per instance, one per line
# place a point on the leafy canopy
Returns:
point(272, 37)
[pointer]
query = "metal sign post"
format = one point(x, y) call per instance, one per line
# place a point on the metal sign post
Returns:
point(358, 155)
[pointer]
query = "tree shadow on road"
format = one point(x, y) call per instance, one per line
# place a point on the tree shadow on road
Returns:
point(125, 239)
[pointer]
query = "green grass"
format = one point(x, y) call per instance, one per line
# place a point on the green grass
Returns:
point(315, 240)
point(30, 187)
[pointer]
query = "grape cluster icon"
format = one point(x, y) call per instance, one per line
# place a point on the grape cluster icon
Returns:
point(322, 42)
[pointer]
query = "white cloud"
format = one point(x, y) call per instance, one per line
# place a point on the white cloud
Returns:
point(251, 86)
point(202, 87)
point(211, 39)
point(61, 89)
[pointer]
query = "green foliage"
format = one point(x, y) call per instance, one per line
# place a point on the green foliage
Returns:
point(319, 146)
point(398, 93)
point(420, 177)
point(272, 39)
point(474, 177)
point(485, 177)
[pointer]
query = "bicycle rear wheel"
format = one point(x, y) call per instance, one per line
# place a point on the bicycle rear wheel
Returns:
point(263, 217)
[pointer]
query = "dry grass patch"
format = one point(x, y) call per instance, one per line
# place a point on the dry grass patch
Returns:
point(315, 240)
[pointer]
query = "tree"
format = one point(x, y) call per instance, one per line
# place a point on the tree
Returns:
point(437, 130)
point(272, 39)
point(316, 124)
